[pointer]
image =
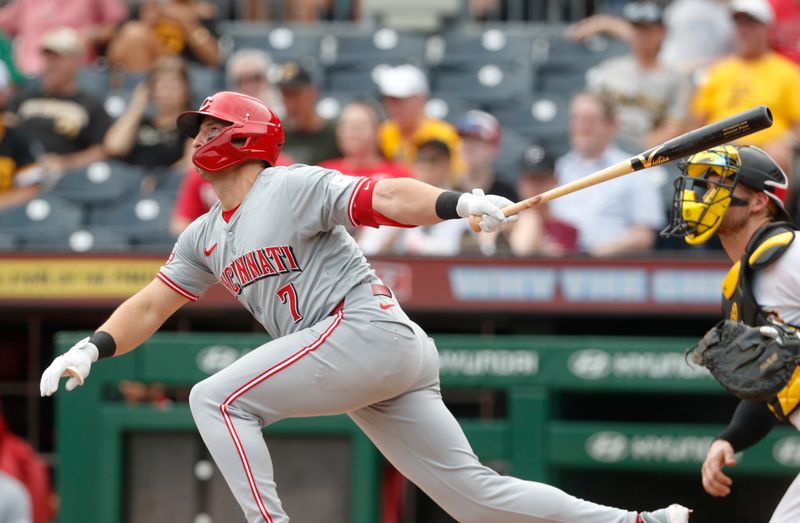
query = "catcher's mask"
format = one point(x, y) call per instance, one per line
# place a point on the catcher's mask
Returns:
point(698, 205)
point(254, 133)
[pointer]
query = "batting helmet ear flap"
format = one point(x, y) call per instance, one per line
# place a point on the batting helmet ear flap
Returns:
point(254, 133)
point(237, 143)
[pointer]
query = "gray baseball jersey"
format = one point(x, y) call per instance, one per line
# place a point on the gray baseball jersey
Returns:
point(287, 257)
point(284, 254)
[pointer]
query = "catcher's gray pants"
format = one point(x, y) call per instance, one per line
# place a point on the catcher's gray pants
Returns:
point(370, 361)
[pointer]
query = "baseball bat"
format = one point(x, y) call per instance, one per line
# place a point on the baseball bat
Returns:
point(706, 137)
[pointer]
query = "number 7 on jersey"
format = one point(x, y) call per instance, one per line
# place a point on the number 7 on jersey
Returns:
point(288, 293)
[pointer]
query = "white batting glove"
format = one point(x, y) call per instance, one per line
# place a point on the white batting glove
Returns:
point(80, 358)
point(486, 206)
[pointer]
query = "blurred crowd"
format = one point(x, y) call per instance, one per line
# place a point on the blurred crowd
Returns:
point(689, 63)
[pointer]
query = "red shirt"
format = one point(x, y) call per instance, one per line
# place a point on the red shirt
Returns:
point(377, 171)
point(20, 461)
point(195, 196)
point(784, 35)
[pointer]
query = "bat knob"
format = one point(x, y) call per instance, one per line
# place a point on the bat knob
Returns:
point(73, 372)
point(475, 223)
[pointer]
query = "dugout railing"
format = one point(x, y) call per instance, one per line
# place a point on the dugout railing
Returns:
point(530, 430)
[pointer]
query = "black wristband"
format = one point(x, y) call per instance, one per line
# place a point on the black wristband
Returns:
point(106, 346)
point(446, 205)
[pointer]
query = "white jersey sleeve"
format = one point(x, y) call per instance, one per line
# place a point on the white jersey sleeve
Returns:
point(777, 286)
point(185, 271)
point(320, 198)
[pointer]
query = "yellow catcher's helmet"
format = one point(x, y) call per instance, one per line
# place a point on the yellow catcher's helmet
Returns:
point(698, 206)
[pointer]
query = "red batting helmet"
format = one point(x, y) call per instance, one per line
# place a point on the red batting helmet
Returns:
point(254, 133)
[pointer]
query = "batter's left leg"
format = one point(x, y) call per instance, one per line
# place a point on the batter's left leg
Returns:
point(424, 442)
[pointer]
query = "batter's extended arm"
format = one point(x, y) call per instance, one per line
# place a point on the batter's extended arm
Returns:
point(411, 202)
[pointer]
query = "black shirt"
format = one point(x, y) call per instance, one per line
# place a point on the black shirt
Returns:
point(156, 147)
point(61, 124)
point(311, 148)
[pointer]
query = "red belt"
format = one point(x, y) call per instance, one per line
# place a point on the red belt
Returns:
point(377, 290)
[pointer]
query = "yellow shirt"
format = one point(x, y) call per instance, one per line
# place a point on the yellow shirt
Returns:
point(734, 85)
point(396, 148)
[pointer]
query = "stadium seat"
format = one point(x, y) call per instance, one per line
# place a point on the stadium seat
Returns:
point(543, 116)
point(83, 240)
point(145, 219)
point(464, 46)
point(99, 182)
point(484, 82)
point(8, 241)
point(353, 78)
point(94, 80)
point(562, 64)
point(204, 81)
point(446, 106)
point(45, 219)
point(512, 147)
point(282, 42)
point(384, 45)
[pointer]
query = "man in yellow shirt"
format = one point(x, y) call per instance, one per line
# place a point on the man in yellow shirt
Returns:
point(404, 91)
point(755, 75)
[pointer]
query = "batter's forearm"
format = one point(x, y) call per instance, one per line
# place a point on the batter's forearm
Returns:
point(141, 315)
point(407, 201)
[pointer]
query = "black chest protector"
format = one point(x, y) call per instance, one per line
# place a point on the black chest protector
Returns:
point(739, 302)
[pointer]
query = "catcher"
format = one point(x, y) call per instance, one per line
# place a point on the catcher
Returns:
point(736, 192)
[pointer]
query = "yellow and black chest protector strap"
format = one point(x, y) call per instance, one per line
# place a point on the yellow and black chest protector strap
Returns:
point(765, 247)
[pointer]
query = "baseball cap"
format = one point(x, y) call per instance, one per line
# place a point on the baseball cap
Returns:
point(536, 159)
point(757, 9)
point(403, 81)
point(292, 74)
point(62, 40)
point(643, 13)
point(480, 125)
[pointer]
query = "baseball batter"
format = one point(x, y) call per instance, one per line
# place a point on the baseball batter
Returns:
point(341, 343)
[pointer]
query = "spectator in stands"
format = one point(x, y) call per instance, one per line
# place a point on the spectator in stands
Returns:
point(404, 91)
point(15, 503)
point(152, 140)
point(26, 21)
point(247, 71)
point(310, 138)
point(357, 137)
point(20, 461)
point(195, 198)
point(755, 75)
point(166, 27)
point(20, 177)
point(432, 164)
point(699, 32)
point(651, 100)
point(784, 35)
point(616, 217)
point(480, 134)
point(538, 232)
point(65, 123)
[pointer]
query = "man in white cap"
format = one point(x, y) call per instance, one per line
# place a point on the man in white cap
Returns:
point(754, 75)
point(404, 92)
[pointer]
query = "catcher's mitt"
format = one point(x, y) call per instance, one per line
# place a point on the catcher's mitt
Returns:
point(753, 363)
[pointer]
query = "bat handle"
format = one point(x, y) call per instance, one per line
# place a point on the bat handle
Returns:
point(511, 210)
